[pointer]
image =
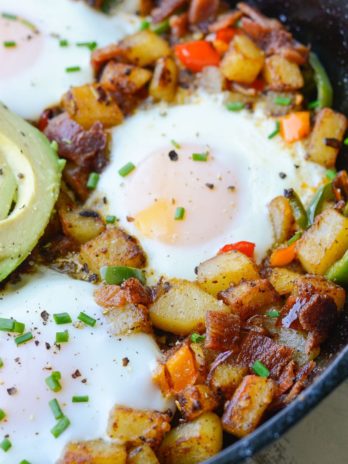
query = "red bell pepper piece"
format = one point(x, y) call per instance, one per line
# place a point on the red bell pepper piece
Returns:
point(197, 55)
point(226, 34)
point(247, 248)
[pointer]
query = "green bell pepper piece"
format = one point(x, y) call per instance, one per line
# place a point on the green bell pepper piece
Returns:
point(338, 272)
point(324, 87)
point(298, 209)
point(324, 193)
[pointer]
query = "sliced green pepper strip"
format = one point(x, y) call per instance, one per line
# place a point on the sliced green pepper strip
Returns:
point(338, 272)
point(116, 275)
point(325, 193)
point(297, 207)
point(324, 87)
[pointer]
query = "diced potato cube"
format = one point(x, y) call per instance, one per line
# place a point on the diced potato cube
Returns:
point(183, 308)
point(193, 442)
point(225, 377)
point(80, 226)
point(124, 77)
point(245, 410)
point(321, 285)
point(113, 247)
point(281, 74)
point(220, 272)
point(164, 82)
point(135, 427)
point(328, 125)
point(129, 320)
point(94, 452)
point(283, 280)
point(196, 400)
point(324, 243)
point(282, 218)
point(91, 103)
point(144, 48)
point(142, 455)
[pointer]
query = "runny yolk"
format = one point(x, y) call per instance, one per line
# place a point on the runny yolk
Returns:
point(20, 46)
point(207, 190)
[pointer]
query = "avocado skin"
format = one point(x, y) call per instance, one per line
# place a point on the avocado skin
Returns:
point(36, 167)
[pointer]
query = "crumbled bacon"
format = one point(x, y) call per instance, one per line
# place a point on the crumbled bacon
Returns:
point(222, 331)
point(131, 291)
point(287, 378)
point(226, 20)
point(166, 9)
point(202, 11)
point(179, 25)
point(302, 380)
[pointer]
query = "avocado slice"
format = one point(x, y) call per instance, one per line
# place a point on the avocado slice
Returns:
point(31, 174)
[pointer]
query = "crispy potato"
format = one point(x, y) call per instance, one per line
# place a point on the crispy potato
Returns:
point(183, 308)
point(94, 452)
point(144, 48)
point(249, 298)
point(124, 77)
point(165, 78)
point(129, 320)
point(91, 103)
point(224, 377)
point(328, 125)
point(79, 225)
point(136, 427)
point(196, 400)
point(281, 74)
point(113, 247)
point(324, 243)
point(220, 272)
point(193, 442)
point(283, 280)
point(322, 286)
point(243, 61)
point(282, 218)
point(245, 410)
point(142, 455)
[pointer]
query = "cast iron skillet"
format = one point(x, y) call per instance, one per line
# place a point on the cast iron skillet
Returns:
point(324, 25)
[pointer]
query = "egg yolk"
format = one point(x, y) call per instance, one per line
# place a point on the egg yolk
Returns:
point(169, 181)
point(20, 45)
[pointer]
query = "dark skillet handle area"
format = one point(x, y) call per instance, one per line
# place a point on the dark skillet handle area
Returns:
point(324, 25)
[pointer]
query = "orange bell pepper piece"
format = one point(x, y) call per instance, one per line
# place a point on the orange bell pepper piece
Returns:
point(295, 126)
point(283, 256)
point(182, 369)
point(197, 55)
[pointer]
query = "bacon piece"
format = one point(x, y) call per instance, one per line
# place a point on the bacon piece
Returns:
point(203, 10)
point(179, 25)
point(287, 378)
point(302, 381)
point(260, 348)
point(222, 331)
point(166, 9)
point(105, 54)
point(131, 291)
point(226, 20)
point(258, 17)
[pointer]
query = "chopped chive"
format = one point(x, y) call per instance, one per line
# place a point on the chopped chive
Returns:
point(62, 318)
point(73, 69)
point(56, 409)
point(53, 382)
point(276, 130)
point(331, 174)
point(90, 45)
point(5, 444)
point(80, 399)
point(235, 106)
point(93, 180)
point(282, 101)
point(116, 275)
point(294, 238)
point(62, 337)
point(197, 338)
point(200, 156)
point(179, 213)
point(10, 44)
point(9, 16)
point(313, 104)
point(260, 369)
point(54, 145)
point(28, 24)
point(175, 144)
point(24, 462)
point(7, 325)
point(24, 338)
point(1, 363)
point(126, 169)
point(161, 28)
point(2, 414)
point(88, 320)
point(110, 219)
point(345, 141)
point(273, 313)
point(19, 327)
point(145, 24)
point(63, 43)
point(60, 427)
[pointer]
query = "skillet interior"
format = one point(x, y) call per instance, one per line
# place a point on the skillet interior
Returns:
point(324, 25)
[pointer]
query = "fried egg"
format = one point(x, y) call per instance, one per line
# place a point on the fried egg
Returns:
point(45, 48)
point(90, 363)
point(223, 193)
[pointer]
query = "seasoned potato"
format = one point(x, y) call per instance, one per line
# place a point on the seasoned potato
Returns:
point(321, 285)
point(81, 226)
point(135, 427)
point(243, 61)
point(249, 298)
point(90, 103)
point(328, 125)
point(282, 218)
point(124, 77)
point(196, 400)
point(220, 272)
point(183, 308)
point(142, 455)
point(129, 320)
point(323, 243)
point(164, 82)
point(193, 442)
point(94, 452)
point(245, 410)
point(113, 247)
point(144, 48)
point(225, 377)
point(283, 280)
point(281, 74)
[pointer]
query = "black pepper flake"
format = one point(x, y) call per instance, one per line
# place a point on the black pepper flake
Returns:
point(20, 175)
point(44, 316)
point(125, 362)
point(92, 278)
point(12, 391)
point(130, 219)
point(173, 156)
point(210, 186)
point(333, 143)
point(89, 214)
point(196, 270)
point(84, 380)
point(105, 200)
point(48, 346)
point(37, 343)
point(1, 172)
point(76, 374)
point(231, 188)
point(282, 175)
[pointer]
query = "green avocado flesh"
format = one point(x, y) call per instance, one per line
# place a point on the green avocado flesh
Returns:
point(29, 185)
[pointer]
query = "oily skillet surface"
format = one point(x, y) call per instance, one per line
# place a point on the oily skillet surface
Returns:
point(324, 25)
